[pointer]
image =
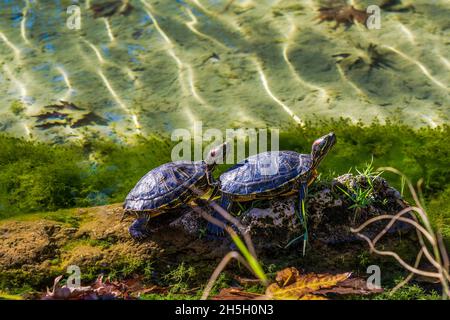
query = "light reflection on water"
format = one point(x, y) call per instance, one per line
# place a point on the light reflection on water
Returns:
point(227, 63)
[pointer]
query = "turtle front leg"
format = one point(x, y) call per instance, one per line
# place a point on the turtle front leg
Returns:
point(212, 183)
point(139, 228)
point(213, 229)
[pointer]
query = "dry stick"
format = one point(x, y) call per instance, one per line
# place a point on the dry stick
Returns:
point(217, 222)
point(413, 193)
point(443, 252)
point(410, 276)
point(228, 256)
point(391, 223)
point(424, 247)
point(442, 275)
point(219, 269)
point(400, 260)
point(426, 222)
point(427, 253)
point(237, 223)
point(228, 217)
point(385, 217)
point(419, 234)
point(414, 223)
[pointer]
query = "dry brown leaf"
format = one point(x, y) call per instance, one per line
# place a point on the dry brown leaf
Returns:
point(350, 286)
point(287, 276)
point(291, 285)
point(312, 297)
point(101, 289)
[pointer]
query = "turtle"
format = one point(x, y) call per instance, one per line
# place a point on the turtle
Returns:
point(272, 174)
point(169, 187)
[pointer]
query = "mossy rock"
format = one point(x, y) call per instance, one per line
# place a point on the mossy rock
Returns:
point(35, 250)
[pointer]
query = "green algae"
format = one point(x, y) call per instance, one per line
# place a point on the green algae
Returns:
point(270, 57)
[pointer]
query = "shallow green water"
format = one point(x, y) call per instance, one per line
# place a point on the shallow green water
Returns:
point(169, 63)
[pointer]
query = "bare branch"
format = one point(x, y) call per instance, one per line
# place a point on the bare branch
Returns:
point(400, 260)
point(387, 217)
point(228, 257)
point(410, 276)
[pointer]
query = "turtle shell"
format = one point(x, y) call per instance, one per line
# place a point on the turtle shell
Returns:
point(165, 185)
point(265, 172)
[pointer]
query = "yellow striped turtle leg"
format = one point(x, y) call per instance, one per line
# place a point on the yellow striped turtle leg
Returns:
point(213, 229)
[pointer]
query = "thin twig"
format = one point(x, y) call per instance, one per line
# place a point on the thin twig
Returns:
point(230, 255)
point(410, 276)
point(427, 253)
point(386, 217)
point(400, 260)
point(228, 217)
point(443, 252)
point(390, 224)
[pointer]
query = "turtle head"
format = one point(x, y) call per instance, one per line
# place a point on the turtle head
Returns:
point(217, 154)
point(321, 146)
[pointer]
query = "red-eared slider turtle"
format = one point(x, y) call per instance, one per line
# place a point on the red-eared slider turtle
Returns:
point(273, 174)
point(168, 187)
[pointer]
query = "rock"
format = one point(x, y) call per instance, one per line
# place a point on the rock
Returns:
point(275, 224)
point(191, 223)
point(274, 227)
point(99, 241)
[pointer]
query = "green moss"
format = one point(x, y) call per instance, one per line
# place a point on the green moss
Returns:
point(172, 296)
point(65, 217)
point(180, 278)
point(90, 242)
point(440, 207)
point(18, 281)
point(409, 292)
point(391, 144)
point(127, 267)
point(41, 177)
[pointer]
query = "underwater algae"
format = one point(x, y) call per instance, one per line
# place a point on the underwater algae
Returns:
point(164, 65)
